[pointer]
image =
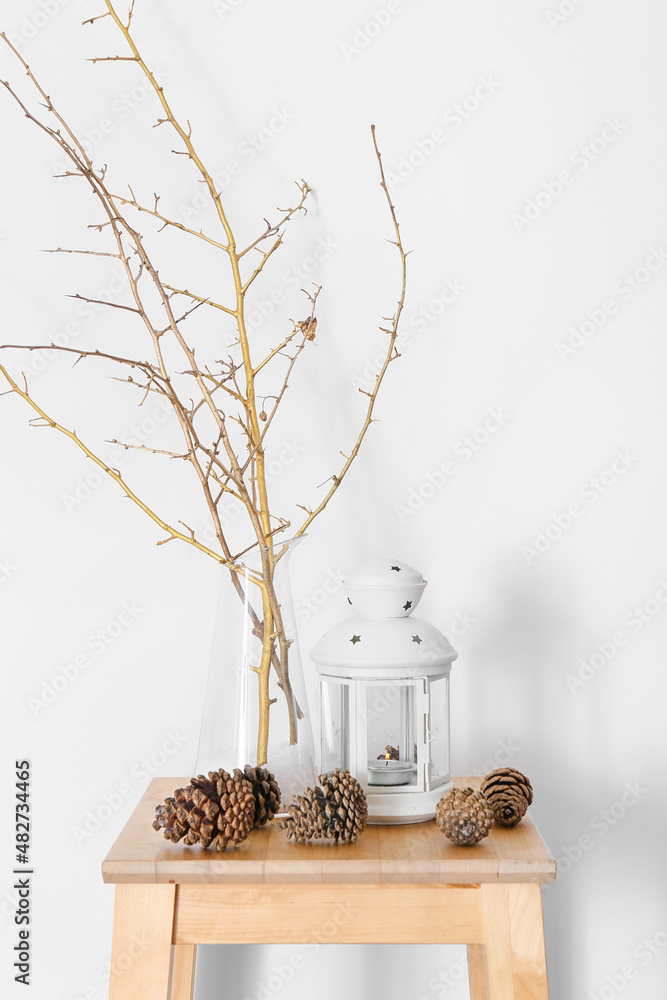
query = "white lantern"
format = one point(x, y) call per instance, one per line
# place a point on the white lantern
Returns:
point(384, 695)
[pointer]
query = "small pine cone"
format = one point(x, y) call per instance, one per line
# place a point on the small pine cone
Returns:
point(509, 793)
point(347, 806)
point(306, 816)
point(212, 812)
point(266, 791)
point(464, 816)
point(336, 811)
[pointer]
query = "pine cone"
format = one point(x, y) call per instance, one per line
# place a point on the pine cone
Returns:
point(266, 791)
point(212, 812)
point(509, 793)
point(335, 811)
point(464, 816)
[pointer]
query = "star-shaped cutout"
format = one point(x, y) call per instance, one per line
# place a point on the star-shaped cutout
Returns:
point(408, 604)
point(355, 639)
point(417, 639)
point(397, 569)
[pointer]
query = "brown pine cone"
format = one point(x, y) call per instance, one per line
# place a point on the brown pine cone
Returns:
point(509, 793)
point(464, 816)
point(306, 817)
point(212, 812)
point(346, 807)
point(336, 811)
point(266, 791)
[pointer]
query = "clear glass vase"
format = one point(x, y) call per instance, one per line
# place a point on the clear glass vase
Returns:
point(255, 707)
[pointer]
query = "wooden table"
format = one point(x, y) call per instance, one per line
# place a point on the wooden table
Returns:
point(397, 884)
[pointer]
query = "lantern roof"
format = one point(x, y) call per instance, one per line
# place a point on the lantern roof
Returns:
point(394, 647)
point(379, 572)
point(384, 588)
point(382, 639)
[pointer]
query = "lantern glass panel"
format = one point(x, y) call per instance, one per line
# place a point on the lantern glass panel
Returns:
point(335, 723)
point(437, 726)
point(391, 727)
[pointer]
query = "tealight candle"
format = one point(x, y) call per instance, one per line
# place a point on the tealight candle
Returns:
point(389, 772)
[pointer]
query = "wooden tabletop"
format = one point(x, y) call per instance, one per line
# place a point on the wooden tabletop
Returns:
point(412, 853)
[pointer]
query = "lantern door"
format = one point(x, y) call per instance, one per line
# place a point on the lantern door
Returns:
point(436, 733)
point(336, 711)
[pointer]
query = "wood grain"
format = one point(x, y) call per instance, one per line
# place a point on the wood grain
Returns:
point(528, 952)
point(329, 914)
point(477, 972)
point(498, 942)
point(514, 934)
point(384, 854)
point(183, 972)
point(141, 948)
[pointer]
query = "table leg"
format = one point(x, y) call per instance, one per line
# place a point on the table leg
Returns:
point(141, 948)
point(183, 972)
point(477, 972)
point(514, 933)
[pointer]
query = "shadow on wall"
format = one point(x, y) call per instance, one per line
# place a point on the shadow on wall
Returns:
point(520, 656)
point(356, 971)
point(518, 661)
point(605, 918)
point(594, 799)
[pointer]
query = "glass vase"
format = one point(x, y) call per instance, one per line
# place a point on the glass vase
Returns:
point(255, 708)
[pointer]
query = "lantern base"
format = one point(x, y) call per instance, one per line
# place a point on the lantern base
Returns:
point(389, 807)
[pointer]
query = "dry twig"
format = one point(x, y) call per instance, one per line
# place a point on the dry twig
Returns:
point(234, 462)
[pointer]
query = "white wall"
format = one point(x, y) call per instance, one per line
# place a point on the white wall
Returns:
point(577, 95)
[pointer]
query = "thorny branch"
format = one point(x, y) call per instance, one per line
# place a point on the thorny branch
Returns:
point(390, 355)
point(224, 445)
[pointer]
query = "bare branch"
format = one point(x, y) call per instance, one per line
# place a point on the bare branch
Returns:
point(389, 355)
point(178, 128)
point(99, 17)
point(93, 253)
point(307, 327)
point(187, 312)
point(144, 365)
point(217, 465)
point(97, 59)
point(273, 229)
point(101, 302)
point(168, 222)
point(112, 473)
point(144, 447)
point(265, 256)
point(199, 298)
point(277, 350)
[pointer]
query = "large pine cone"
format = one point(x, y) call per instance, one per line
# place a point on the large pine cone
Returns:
point(212, 812)
point(464, 816)
point(509, 793)
point(266, 791)
point(336, 811)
